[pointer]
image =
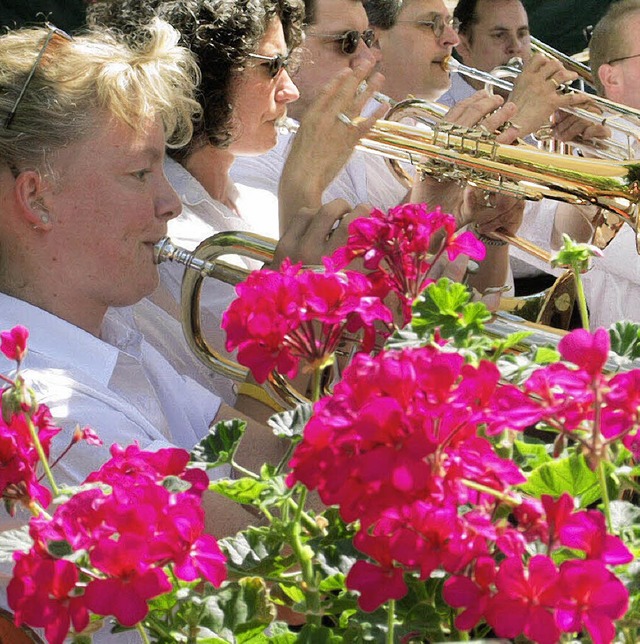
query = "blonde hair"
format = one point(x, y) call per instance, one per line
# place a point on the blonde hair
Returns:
point(609, 41)
point(77, 80)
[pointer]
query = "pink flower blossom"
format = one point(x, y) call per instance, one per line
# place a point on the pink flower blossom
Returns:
point(589, 351)
point(592, 598)
point(41, 594)
point(282, 317)
point(525, 600)
point(13, 344)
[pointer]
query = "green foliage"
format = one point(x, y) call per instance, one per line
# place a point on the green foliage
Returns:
point(219, 446)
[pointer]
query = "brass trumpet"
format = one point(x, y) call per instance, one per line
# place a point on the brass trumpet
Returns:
point(621, 118)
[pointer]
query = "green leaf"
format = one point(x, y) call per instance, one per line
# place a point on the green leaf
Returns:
point(246, 490)
point(253, 551)
point(546, 355)
point(570, 475)
point(625, 339)
point(218, 447)
point(238, 608)
point(59, 549)
point(532, 455)
point(318, 635)
point(12, 541)
point(291, 423)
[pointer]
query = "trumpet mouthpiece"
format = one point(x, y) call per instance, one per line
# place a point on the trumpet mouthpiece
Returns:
point(447, 63)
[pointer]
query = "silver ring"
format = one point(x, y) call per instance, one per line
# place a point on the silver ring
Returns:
point(343, 118)
point(334, 226)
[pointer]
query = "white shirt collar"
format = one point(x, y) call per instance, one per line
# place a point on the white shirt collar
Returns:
point(50, 335)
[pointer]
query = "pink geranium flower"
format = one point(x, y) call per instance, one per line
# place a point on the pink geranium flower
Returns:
point(13, 343)
point(41, 594)
point(592, 598)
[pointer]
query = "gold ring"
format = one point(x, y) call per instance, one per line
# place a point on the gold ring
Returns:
point(555, 82)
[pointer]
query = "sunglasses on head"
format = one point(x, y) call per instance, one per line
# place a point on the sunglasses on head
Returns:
point(275, 64)
point(349, 40)
point(52, 34)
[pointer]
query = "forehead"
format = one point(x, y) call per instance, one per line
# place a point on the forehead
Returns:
point(340, 15)
point(500, 13)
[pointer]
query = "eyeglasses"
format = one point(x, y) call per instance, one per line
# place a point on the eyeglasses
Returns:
point(617, 60)
point(437, 25)
point(275, 64)
point(349, 39)
point(53, 32)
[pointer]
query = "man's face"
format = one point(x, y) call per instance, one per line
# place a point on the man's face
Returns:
point(621, 79)
point(325, 57)
point(413, 51)
point(500, 33)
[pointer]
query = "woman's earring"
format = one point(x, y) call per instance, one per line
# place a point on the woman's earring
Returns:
point(44, 218)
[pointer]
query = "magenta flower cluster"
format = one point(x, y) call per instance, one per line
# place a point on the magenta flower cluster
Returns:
point(399, 248)
point(19, 459)
point(281, 317)
point(129, 534)
point(399, 447)
point(113, 545)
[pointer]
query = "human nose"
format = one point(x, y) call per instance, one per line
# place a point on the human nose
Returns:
point(448, 37)
point(287, 91)
point(515, 45)
point(364, 54)
point(168, 204)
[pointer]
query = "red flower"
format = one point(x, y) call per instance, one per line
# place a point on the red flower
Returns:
point(525, 599)
point(14, 343)
point(589, 351)
point(41, 594)
point(592, 598)
point(131, 581)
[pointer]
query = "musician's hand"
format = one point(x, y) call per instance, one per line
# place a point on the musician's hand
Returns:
point(315, 233)
point(324, 143)
point(537, 92)
point(567, 127)
point(488, 212)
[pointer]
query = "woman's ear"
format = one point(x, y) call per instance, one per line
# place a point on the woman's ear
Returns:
point(29, 192)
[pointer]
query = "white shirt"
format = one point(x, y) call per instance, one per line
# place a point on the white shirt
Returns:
point(364, 179)
point(612, 286)
point(118, 385)
point(201, 217)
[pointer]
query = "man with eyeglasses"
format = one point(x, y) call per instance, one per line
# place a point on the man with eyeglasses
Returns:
point(612, 286)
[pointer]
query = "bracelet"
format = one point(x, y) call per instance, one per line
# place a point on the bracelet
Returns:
point(489, 241)
point(258, 393)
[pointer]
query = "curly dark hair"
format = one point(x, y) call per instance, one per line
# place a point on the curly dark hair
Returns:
point(221, 34)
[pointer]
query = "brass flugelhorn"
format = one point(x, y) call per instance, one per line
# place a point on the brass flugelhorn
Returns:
point(204, 262)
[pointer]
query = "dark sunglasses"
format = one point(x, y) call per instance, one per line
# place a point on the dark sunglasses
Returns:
point(53, 33)
point(349, 39)
point(275, 64)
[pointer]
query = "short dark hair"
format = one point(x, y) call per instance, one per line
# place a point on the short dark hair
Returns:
point(383, 13)
point(221, 34)
point(465, 12)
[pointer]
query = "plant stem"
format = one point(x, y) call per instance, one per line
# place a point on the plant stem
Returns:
point(305, 558)
point(582, 300)
point(143, 633)
point(510, 500)
point(602, 478)
point(42, 456)
point(391, 619)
